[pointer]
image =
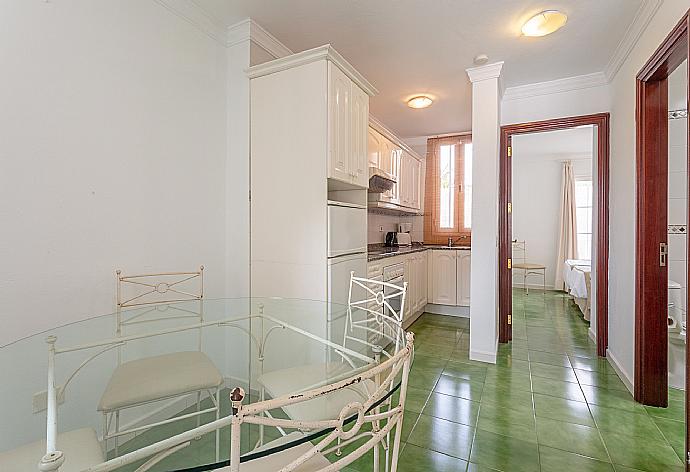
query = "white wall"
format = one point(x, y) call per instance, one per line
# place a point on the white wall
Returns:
point(536, 206)
point(113, 151)
point(678, 180)
point(390, 223)
point(622, 203)
point(555, 105)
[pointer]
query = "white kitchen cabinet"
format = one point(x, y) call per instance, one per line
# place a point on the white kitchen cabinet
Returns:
point(374, 142)
point(415, 179)
point(420, 271)
point(339, 97)
point(359, 164)
point(443, 277)
point(410, 181)
point(348, 118)
point(463, 260)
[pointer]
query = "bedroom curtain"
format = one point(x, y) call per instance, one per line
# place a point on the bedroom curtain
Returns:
point(567, 238)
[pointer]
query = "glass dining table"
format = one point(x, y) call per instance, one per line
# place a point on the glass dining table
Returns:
point(64, 379)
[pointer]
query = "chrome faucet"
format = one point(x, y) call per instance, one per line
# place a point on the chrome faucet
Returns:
point(452, 241)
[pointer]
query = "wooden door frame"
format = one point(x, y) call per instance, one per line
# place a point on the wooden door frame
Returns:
point(601, 121)
point(651, 280)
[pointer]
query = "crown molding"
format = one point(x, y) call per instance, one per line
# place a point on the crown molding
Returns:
point(488, 71)
point(644, 15)
point(312, 55)
point(250, 30)
point(376, 124)
point(567, 84)
point(193, 14)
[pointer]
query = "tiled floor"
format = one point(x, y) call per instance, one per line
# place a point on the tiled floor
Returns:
point(548, 405)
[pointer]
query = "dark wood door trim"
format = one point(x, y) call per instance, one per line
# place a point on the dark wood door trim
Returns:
point(651, 280)
point(601, 121)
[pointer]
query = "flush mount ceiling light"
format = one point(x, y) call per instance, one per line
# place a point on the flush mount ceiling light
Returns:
point(420, 101)
point(544, 23)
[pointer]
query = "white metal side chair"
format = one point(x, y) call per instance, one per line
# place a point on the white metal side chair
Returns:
point(376, 332)
point(162, 377)
point(364, 424)
point(528, 268)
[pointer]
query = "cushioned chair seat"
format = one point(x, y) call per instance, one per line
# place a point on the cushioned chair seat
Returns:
point(528, 266)
point(81, 449)
point(274, 462)
point(282, 382)
point(157, 377)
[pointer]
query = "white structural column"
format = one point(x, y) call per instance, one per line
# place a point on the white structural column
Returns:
point(486, 103)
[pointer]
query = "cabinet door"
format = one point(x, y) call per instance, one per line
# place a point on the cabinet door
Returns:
point(463, 277)
point(443, 277)
point(373, 147)
point(423, 285)
point(404, 182)
point(396, 155)
point(415, 184)
point(339, 96)
point(410, 294)
point(358, 137)
point(385, 159)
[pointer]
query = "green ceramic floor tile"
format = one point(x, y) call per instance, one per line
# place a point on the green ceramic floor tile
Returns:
point(452, 408)
point(622, 422)
point(417, 459)
point(561, 409)
point(611, 398)
point(504, 452)
point(458, 387)
point(597, 365)
point(555, 372)
point(442, 436)
point(480, 468)
point(465, 371)
point(557, 388)
point(571, 437)
point(640, 453)
point(440, 351)
point(672, 430)
point(600, 379)
point(674, 411)
point(416, 399)
point(549, 358)
point(555, 460)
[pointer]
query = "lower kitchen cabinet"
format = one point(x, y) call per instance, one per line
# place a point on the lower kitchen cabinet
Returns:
point(449, 277)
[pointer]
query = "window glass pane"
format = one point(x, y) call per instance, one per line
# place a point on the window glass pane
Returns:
point(467, 194)
point(447, 185)
point(583, 202)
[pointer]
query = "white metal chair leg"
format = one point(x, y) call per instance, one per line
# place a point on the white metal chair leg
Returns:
point(117, 430)
point(198, 408)
point(217, 429)
point(524, 282)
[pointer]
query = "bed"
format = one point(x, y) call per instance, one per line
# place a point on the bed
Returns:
point(577, 279)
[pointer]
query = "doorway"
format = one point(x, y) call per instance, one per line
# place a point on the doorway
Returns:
point(654, 185)
point(600, 122)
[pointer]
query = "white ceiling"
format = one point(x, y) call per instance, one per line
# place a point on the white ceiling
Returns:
point(573, 143)
point(405, 47)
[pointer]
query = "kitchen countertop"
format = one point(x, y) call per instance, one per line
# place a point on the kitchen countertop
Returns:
point(379, 251)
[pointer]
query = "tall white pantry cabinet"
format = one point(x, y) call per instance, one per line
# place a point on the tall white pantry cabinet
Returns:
point(309, 122)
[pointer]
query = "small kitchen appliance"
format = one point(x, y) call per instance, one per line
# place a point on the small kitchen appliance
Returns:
point(391, 239)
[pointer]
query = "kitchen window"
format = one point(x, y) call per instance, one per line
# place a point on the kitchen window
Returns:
point(448, 197)
point(583, 204)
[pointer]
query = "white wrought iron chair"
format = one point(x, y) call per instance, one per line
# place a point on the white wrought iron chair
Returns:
point(528, 268)
point(162, 377)
point(364, 424)
point(376, 331)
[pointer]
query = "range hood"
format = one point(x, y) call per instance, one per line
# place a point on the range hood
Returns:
point(380, 181)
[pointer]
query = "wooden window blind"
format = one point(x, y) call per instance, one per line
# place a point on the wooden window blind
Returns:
point(446, 189)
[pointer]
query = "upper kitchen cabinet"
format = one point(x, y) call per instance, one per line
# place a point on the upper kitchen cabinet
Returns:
point(309, 119)
point(348, 118)
point(389, 154)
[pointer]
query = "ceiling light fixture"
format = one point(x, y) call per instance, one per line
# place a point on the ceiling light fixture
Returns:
point(420, 101)
point(544, 23)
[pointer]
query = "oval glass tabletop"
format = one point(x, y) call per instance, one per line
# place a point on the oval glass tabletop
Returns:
point(129, 380)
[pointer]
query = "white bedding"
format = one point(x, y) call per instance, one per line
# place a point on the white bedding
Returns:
point(576, 274)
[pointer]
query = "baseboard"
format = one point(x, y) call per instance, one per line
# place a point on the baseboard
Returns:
point(592, 335)
point(407, 323)
point(484, 356)
point(459, 311)
point(624, 376)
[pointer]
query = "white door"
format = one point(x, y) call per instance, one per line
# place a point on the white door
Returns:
point(442, 278)
point(339, 96)
point(463, 277)
point(358, 137)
